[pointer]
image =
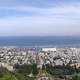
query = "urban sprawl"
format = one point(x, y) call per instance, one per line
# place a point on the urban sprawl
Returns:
point(55, 56)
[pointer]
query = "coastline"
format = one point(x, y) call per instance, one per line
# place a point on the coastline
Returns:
point(43, 46)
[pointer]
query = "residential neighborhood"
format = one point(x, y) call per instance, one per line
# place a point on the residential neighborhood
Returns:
point(55, 56)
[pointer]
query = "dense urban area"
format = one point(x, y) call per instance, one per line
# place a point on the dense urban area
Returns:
point(39, 63)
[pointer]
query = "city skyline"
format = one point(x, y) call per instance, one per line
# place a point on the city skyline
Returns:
point(40, 18)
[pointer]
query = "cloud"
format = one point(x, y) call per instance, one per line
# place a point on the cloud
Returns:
point(57, 11)
point(62, 19)
point(38, 25)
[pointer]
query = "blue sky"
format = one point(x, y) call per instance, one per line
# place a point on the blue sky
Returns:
point(39, 17)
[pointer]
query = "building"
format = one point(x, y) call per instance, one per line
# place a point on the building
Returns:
point(48, 49)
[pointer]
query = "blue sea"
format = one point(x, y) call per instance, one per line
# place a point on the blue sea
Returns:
point(45, 41)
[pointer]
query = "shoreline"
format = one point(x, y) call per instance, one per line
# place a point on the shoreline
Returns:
point(39, 46)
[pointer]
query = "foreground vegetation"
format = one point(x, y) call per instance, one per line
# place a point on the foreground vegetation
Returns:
point(64, 72)
point(24, 72)
point(29, 72)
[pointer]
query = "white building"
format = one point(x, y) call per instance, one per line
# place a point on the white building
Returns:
point(48, 49)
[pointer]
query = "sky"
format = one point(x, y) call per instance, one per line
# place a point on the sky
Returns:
point(39, 17)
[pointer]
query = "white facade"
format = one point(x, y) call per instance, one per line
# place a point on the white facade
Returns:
point(48, 49)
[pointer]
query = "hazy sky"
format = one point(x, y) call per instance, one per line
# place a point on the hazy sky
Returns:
point(39, 17)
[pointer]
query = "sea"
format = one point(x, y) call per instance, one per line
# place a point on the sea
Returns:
point(40, 41)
